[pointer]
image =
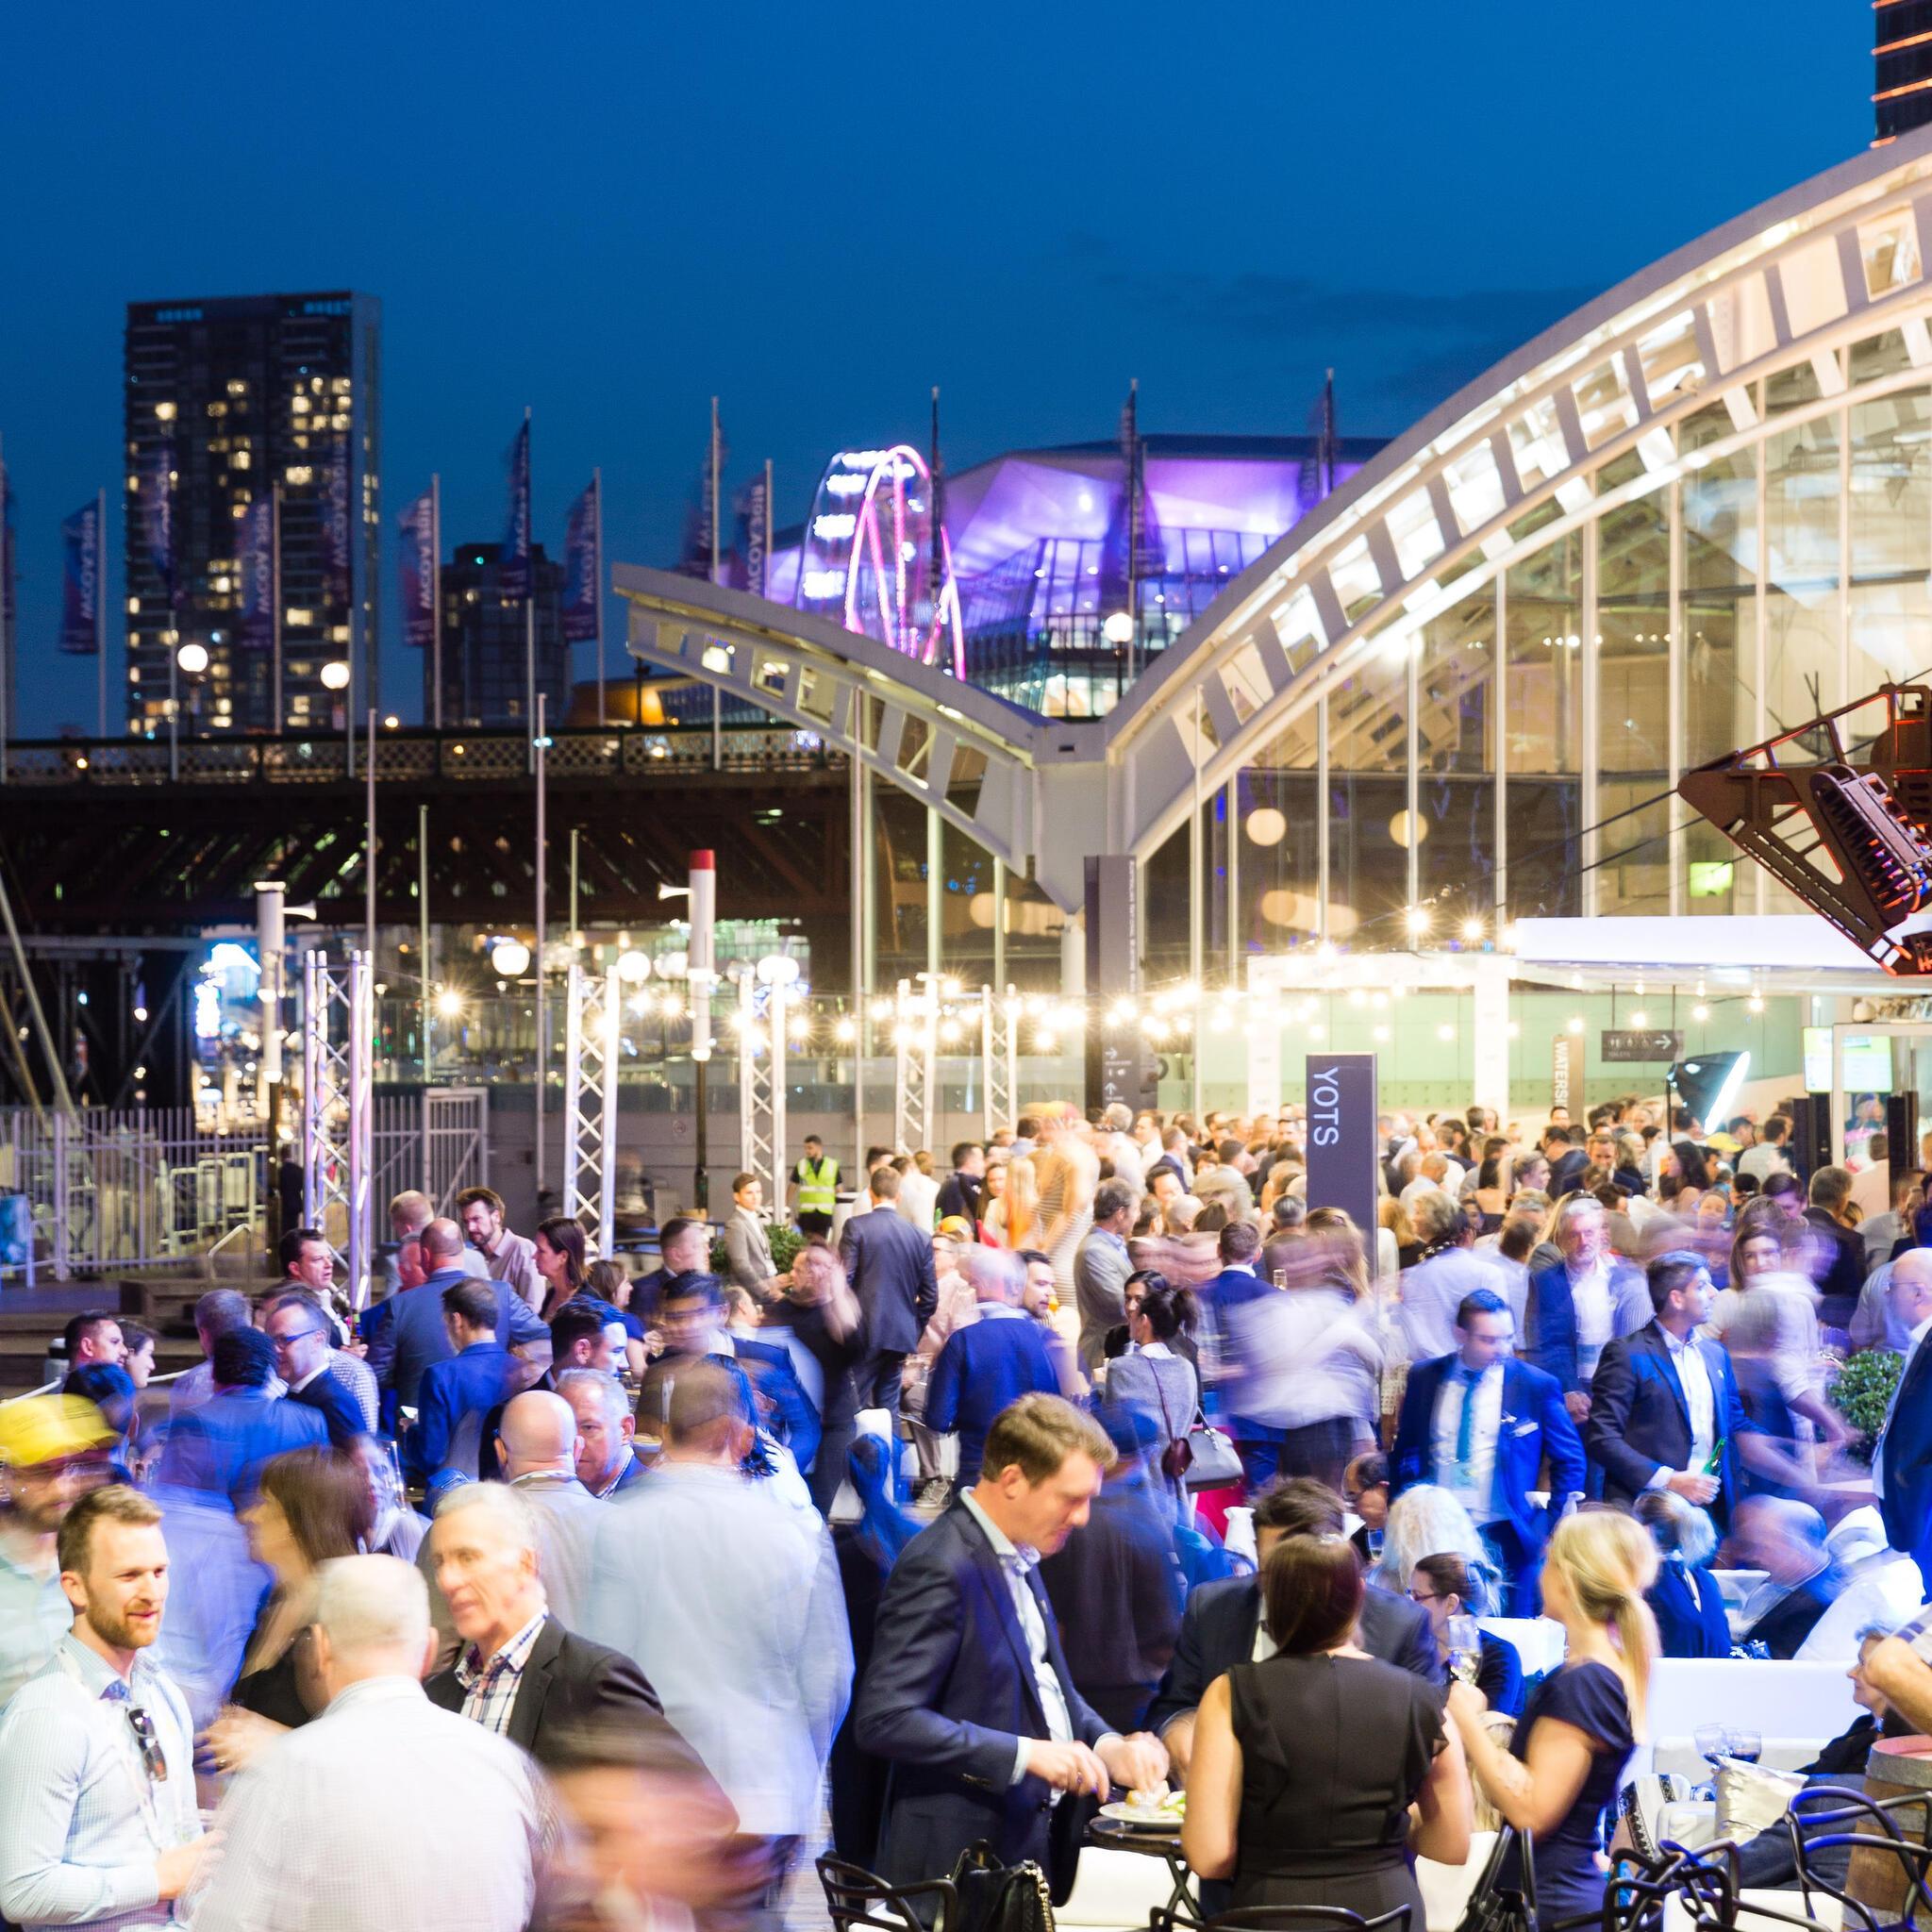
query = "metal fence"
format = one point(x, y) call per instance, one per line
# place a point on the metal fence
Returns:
point(153, 1188)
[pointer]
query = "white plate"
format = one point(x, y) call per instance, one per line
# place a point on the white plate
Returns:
point(1142, 1821)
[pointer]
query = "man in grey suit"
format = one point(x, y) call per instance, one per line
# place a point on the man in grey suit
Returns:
point(889, 1264)
point(748, 1247)
point(1100, 1267)
point(410, 1334)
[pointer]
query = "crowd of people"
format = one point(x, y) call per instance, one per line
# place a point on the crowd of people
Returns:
point(543, 1593)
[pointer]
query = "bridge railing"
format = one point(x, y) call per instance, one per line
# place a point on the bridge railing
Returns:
point(405, 756)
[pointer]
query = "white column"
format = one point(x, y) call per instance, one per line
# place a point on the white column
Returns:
point(1074, 957)
point(1490, 1021)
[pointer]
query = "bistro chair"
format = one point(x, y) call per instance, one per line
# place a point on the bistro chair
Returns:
point(1283, 1919)
point(856, 1897)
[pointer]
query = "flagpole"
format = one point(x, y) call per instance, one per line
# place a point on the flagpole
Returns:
point(542, 1014)
point(369, 851)
point(275, 552)
point(597, 587)
point(435, 600)
point(717, 535)
point(530, 619)
point(101, 601)
point(765, 566)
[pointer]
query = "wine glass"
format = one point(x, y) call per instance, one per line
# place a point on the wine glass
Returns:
point(1747, 1745)
point(1713, 1742)
point(1465, 1648)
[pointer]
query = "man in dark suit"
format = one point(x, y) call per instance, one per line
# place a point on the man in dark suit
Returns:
point(220, 1446)
point(691, 1316)
point(1830, 1213)
point(414, 1335)
point(1222, 1625)
point(968, 1695)
point(1578, 1306)
point(479, 1376)
point(993, 1361)
point(889, 1264)
point(607, 1461)
point(520, 1673)
point(1479, 1424)
point(301, 1340)
point(1902, 1468)
point(684, 1249)
point(1664, 1409)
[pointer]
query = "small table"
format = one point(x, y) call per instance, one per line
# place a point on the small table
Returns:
point(1148, 1843)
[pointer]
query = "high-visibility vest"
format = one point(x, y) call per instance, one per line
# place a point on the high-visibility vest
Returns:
point(816, 1188)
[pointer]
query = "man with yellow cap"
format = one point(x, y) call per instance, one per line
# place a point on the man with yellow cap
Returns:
point(53, 1450)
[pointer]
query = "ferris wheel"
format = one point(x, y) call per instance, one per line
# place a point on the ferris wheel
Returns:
point(873, 550)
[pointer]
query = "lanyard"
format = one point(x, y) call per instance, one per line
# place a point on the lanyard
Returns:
point(146, 1798)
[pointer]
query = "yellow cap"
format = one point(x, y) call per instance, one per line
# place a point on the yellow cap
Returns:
point(45, 1429)
point(954, 1227)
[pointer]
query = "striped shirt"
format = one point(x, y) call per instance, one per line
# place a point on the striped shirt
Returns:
point(489, 1689)
point(81, 1822)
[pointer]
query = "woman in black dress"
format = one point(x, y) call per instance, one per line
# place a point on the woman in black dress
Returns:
point(1305, 1765)
point(314, 1505)
point(1566, 1760)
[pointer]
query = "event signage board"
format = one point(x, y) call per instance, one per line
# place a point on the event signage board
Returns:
point(1624, 1044)
point(1564, 1083)
point(1344, 1148)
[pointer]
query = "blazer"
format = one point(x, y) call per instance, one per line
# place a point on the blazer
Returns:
point(795, 1422)
point(1534, 1424)
point(1688, 1624)
point(948, 1695)
point(1218, 1632)
point(748, 1251)
point(569, 1684)
point(1639, 1420)
point(413, 1337)
point(472, 1383)
point(1905, 1460)
point(219, 1446)
point(982, 1368)
point(331, 1397)
point(1100, 1267)
point(1549, 1338)
point(889, 1264)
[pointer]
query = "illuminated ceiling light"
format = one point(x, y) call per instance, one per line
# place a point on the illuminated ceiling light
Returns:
point(949, 1030)
point(1445, 1032)
point(1417, 920)
point(1577, 1023)
point(1380, 1032)
point(1044, 1042)
point(1472, 930)
point(449, 1003)
point(777, 969)
point(1266, 825)
point(1515, 1030)
point(1756, 1003)
point(1640, 1021)
point(633, 968)
point(845, 1032)
point(799, 1027)
point(510, 958)
point(1700, 1014)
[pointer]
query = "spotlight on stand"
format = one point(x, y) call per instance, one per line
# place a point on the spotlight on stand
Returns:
point(1707, 1085)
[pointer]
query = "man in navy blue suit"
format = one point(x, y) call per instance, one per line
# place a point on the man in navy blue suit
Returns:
point(220, 1446)
point(889, 1264)
point(1479, 1424)
point(691, 1316)
point(414, 1335)
point(967, 1695)
point(479, 1376)
point(1664, 1409)
point(994, 1359)
point(1902, 1468)
point(1579, 1305)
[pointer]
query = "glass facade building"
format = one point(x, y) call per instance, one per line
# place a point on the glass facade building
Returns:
point(226, 402)
point(486, 642)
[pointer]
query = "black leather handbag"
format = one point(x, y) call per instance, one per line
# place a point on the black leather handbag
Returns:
point(1505, 1896)
point(1000, 1898)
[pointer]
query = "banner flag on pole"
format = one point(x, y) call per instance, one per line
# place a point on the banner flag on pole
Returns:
point(338, 567)
point(513, 563)
point(80, 589)
point(698, 541)
point(418, 574)
point(254, 532)
point(754, 546)
point(581, 569)
point(156, 493)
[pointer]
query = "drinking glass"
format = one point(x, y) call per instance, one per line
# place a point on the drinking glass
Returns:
point(1749, 1746)
point(1712, 1742)
point(1465, 1648)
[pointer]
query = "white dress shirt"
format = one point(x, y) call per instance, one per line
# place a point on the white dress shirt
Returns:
point(81, 1822)
point(1590, 1296)
point(385, 1812)
point(1693, 1374)
point(1473, 1485)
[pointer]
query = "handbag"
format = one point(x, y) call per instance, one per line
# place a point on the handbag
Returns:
point(1494, 1907)
point(1000, 1898)
point(1211, 1461)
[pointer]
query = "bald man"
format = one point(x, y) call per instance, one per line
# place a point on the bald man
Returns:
point(536, 1449)
point(1902, 1468)
point(411, 1334)
point(409, 1213)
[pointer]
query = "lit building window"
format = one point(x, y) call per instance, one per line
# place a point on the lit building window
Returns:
point(299, 405)
point(239, 459)
point(300, 472)
point(134, 606)
point(164, 412)
point(340, 634)
point(237, 386)
point(218, 408)
point(296, 615)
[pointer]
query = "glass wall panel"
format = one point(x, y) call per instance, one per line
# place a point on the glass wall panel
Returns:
point(1892, 540)
point(1455, 734)
point(1718, 509)
point(1800, 568)
point(1367, 792)
point(1632, 710)
point(1274, 845)
point(1543, 729)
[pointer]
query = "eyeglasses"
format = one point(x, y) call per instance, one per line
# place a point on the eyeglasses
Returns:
point(282, 1342)
point(1419, 1596)
point(154, 1760)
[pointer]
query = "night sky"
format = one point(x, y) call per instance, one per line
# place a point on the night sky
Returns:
point(612, 212)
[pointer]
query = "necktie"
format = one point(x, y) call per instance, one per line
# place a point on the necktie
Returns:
point(1465, 1427)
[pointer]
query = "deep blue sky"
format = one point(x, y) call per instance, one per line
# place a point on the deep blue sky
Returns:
point(612, 212)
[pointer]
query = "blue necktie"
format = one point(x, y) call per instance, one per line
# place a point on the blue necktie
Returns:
point(1465, 1427)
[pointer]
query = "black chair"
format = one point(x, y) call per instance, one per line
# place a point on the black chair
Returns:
point(855, 1897)
point(1283, 1919)
point(1817, 1821)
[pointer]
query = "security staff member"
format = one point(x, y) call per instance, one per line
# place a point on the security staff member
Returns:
point(814, 1188)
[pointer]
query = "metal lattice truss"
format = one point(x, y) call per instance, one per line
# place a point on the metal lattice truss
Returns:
point(762, 1049)
point(338, 1036)
point(590, 1057)
point(999, 1058)
point(1498, 473)
point(915, 1070)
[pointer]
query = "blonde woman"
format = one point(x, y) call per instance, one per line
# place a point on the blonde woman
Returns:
point(1014, 1216)
point(1426, 1521)
point(1566, 1760)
